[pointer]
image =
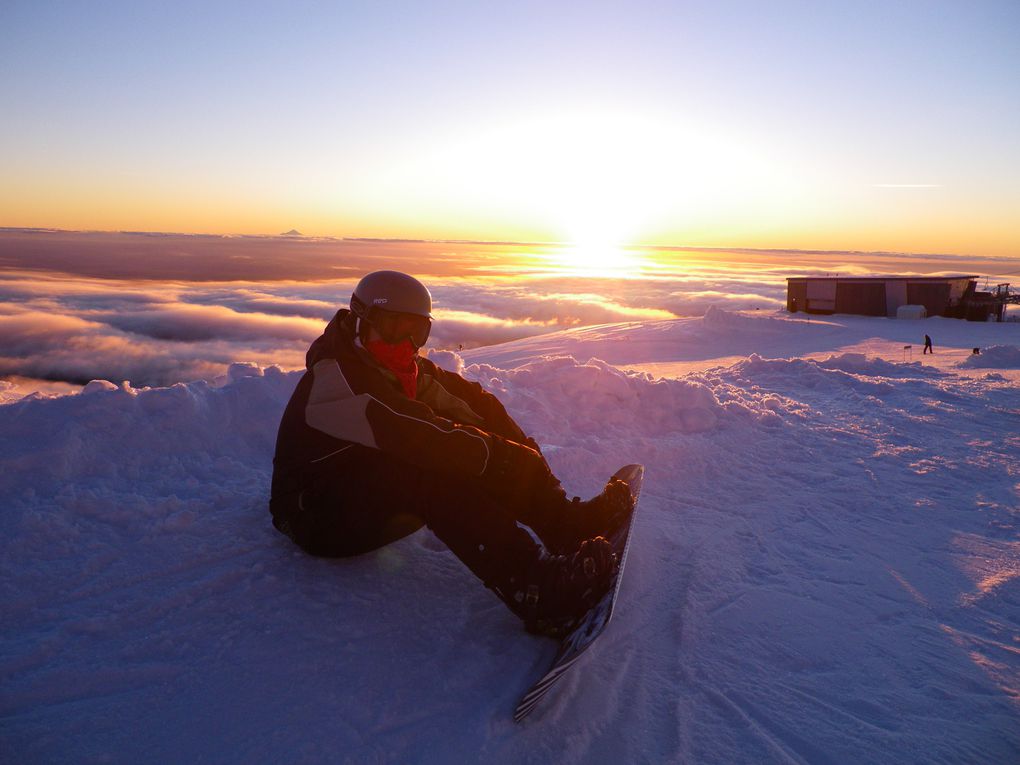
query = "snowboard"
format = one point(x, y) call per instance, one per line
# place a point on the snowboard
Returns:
point(581, 638)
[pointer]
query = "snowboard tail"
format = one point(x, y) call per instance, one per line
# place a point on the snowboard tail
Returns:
point(592, 624)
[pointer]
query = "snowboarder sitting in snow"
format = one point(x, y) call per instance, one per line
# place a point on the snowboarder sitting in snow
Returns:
point(377, 441)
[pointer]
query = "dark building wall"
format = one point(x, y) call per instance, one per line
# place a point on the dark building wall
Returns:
point(821, 296)
point(954, 297)
point(983, 305)
point(862, 298)
point(934, 296)
point(796, 296)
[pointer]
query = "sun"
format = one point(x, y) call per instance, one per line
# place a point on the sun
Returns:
point(599, 178)
point(595, 256)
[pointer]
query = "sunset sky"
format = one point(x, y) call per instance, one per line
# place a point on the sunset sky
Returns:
point(866, 125)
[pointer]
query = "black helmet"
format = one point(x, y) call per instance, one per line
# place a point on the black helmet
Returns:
point(391, 291)
point(398, 306)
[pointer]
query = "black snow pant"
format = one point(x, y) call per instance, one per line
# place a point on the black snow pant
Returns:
point(369, 499)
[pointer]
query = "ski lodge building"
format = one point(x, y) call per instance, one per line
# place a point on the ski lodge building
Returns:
point(951, 296)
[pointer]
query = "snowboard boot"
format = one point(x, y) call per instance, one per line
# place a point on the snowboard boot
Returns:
point(557, 590)
point(549, 591)
point(573, 520)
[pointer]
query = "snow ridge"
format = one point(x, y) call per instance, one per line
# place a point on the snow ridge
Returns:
point(830, 540)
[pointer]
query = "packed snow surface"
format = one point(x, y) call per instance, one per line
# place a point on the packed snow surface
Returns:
point(826, 566)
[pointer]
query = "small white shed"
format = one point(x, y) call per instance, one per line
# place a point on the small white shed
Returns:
point(911, 312)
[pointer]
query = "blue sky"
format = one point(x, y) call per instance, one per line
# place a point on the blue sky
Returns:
point(792, 124)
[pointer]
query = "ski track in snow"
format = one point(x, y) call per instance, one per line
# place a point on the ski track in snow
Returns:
point(825, 570)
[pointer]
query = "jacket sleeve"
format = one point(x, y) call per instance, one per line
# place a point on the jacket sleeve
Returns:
point(352, 404)
point(488, 407)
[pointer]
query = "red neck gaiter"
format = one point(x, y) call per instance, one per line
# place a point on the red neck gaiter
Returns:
point(399, 359)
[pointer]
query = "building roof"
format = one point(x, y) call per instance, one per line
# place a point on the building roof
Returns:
point(850, 278)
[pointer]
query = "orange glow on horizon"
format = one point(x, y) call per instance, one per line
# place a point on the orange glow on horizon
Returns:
point(924, 222)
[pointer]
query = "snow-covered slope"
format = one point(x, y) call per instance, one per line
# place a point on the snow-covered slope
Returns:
point(826, 568)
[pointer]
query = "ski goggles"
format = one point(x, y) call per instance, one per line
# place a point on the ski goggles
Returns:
point(394, 327)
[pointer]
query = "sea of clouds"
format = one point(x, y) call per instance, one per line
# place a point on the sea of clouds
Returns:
point(158, 309)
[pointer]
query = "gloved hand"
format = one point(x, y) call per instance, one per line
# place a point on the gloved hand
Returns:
point(517, 472)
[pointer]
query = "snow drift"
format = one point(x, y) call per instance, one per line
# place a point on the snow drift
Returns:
point(825, 569)
point(994, 357)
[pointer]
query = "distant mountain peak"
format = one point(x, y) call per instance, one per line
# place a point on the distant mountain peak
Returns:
point(292, 232)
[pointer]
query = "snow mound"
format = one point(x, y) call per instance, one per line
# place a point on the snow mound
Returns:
point(568, 398)
point(994, 357)
point(241, 370)
point(8, 392)
point(733, 323)
point(95, 386)
point(727, 321)
point(448, 360)
point(122, 445)
point(848, 369)
point(832, 541)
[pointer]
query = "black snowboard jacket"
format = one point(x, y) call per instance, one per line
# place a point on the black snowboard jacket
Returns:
point(346, 403)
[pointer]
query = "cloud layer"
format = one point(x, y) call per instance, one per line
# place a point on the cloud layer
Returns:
point(68, 316)
point(73, 329)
